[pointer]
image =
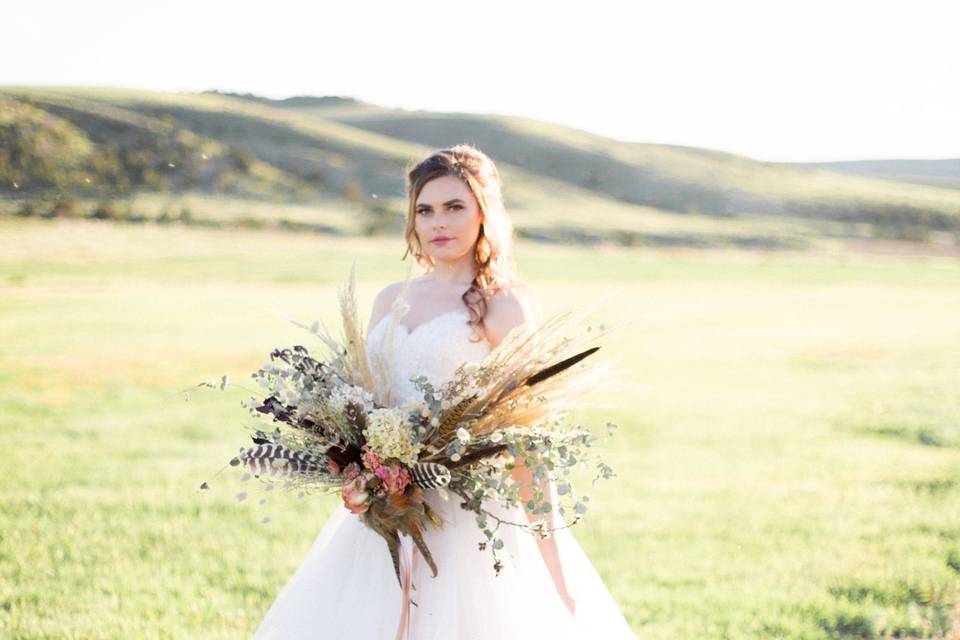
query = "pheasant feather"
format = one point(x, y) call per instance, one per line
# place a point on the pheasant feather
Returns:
point(452, 420)
point(553, 370)
point(275, 460)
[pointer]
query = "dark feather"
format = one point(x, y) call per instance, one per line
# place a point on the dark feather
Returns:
point(393, 544)
point(344, 455)
point(418, 539)
point(452, 419)
point(479, 454)
point(554, 369)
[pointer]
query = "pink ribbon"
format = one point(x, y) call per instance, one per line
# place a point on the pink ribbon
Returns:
point(408, 561)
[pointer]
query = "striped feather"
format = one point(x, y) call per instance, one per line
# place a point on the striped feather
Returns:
point(452, 419)
point(275, 460)
point(429, 475)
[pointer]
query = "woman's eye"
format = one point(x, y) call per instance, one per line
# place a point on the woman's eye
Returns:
point(457, 207)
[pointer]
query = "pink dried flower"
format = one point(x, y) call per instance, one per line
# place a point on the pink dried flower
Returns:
point(355, 496)
point(351, 471)
point(370, 459)
point(395, 478)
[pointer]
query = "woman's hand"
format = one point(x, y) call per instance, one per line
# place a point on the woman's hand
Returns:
point(570, 602)
point(548, 546)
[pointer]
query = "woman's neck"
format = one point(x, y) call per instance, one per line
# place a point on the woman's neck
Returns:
point(459, 272)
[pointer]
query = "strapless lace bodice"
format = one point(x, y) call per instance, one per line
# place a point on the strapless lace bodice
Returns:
point(434, 349)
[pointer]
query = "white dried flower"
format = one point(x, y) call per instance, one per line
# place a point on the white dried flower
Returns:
point(343, 394)
point(463, 435)
point(496, 436)
point(497, 462)
point(390, 436)
point(435, 421)
point(455, 457)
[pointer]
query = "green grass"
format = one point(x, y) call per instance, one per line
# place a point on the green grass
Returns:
point(791, 469)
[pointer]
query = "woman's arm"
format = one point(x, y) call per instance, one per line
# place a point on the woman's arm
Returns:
point(548, 546)
point(381, 305)
point(508, 309)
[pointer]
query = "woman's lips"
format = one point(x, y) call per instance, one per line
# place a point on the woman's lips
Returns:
point(441, 240)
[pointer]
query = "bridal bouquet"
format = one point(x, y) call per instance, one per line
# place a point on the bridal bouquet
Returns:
point(336, 429)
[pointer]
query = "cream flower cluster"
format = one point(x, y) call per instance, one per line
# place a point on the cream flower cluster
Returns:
point(390, 436)
point(343, 394)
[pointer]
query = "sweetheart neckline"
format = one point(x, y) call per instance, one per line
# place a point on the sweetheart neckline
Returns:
point(422, 324)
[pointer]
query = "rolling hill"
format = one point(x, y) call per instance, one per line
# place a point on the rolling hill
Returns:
point(938, 173)
point(561, 184)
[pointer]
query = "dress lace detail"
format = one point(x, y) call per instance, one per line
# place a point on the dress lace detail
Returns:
point(346, 587)
point(433, 349)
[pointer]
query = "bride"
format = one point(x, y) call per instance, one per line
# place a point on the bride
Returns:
point(458, 311)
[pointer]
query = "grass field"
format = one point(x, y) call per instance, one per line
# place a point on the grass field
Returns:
point(792, 469)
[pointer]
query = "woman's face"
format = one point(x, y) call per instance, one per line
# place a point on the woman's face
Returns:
point(446, 208)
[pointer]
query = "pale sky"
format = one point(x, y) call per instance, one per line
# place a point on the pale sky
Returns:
point(781, 81)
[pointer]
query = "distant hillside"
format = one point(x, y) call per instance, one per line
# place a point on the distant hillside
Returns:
point(937, 173)
point(672, 178)
point(560, 183)
point(97, 149)
point(294, 101)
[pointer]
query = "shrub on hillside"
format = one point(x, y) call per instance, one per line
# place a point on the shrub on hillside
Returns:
point(380, 220)
point(107, 210)
point(64, 206)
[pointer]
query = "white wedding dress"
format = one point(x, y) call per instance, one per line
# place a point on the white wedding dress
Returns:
point(346, 586)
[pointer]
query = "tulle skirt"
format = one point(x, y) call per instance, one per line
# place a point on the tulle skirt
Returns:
point(346, 586)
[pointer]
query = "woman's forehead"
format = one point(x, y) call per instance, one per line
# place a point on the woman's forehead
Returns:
point(443, 189)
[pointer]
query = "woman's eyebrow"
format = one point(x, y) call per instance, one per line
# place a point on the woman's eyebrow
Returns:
point(448, 202)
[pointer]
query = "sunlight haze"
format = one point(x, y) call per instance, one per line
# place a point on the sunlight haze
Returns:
point(810, 81)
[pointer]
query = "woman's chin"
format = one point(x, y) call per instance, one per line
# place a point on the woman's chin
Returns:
point(445, 253)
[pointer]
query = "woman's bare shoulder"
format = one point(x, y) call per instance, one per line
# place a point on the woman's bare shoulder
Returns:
point(509, 298)
point(390, 292)
point(507, 307)
point(383, 301)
